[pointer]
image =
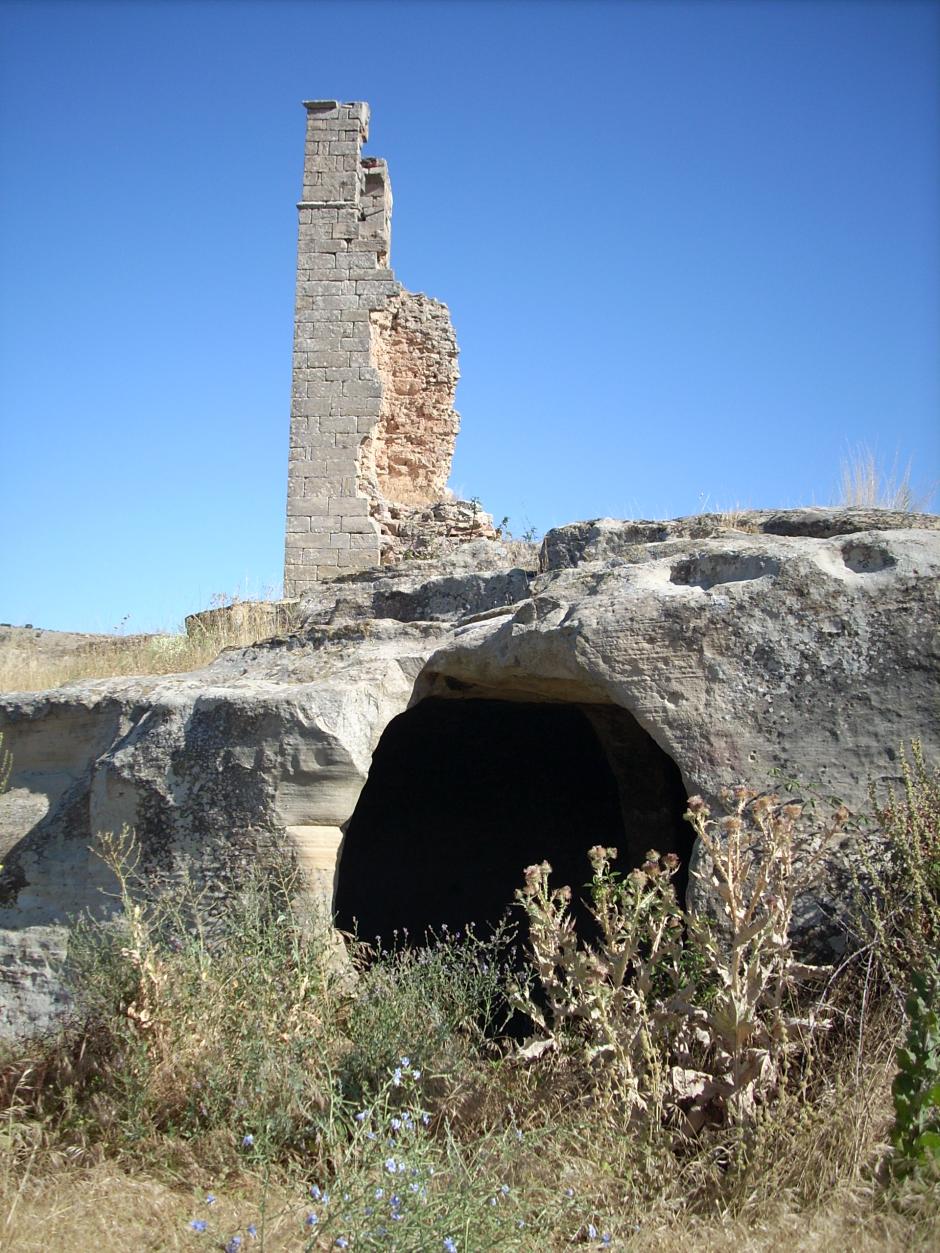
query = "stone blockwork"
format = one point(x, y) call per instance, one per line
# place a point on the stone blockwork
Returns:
point(375, 368)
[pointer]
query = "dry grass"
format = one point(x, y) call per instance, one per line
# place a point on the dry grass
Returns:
point(105, 1207)
point(809, 1186)
point(245, 1064)
point(865, 483)
point(35, 661)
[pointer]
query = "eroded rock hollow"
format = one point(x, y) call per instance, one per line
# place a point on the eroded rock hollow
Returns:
point(462, 795)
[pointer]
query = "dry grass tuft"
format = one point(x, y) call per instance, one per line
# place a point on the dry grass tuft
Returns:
point(865, 484)
point(37, 660)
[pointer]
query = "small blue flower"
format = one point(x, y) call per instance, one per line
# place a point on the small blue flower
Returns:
point(414, 1187)
point(391, 1165)
point(395, 1124)
point(520, 1223)
point(606, 1239)
point(198, 1224)
point(406, 1062)
point(426, 1119)
point(341, 1242)
point(492, 1200)
point(569, 1192)
point(379, 1193)
point(394, 1201)
point(210, 1199)
point(504, 1188)
point(450, 1245)
point(234, 1244)
point(248, 1141)
point(370, 1135)
point(396, 1076)
point(518, 1135)
point(252, 1230)
point(311, 1220)
point(315, 1192)
point(416, 1074)
point(361, 1116)
point(592, 1231)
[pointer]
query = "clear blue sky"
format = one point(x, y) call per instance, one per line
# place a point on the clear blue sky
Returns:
point(692, 252)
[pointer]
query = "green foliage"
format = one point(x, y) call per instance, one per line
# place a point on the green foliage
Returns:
point(442, 999)
point(898, 890)
point(916, 1087)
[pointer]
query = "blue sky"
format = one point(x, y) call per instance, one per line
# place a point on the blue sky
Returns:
point(691, 251)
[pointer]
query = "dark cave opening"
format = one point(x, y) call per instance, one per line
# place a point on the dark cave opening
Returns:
point(464, 794)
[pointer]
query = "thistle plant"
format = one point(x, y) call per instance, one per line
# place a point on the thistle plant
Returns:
point(680, 1009)
point(750, 1025)
point(600, 997)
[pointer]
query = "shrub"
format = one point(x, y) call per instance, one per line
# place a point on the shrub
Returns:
point(916, 1087)
point(897, 891)
point(186, 1035)
point(678, 1010)
point(442, 1000)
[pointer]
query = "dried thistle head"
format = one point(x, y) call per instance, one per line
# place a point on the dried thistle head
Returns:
point(765, 804)
point(533, 878)
point(695, 805)
point(598, 855)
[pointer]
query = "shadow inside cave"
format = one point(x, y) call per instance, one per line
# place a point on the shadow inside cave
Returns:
point(463, 794)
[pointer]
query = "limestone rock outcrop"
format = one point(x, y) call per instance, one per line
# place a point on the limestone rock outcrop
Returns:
point(803, 642)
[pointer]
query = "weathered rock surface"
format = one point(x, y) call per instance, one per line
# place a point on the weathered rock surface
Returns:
point(804, 641)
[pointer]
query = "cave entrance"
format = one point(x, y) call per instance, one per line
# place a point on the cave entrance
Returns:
point(464, 794)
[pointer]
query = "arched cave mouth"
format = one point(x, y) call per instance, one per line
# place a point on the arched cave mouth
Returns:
point(464, 794)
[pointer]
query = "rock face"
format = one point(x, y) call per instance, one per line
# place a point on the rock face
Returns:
point(673, 658)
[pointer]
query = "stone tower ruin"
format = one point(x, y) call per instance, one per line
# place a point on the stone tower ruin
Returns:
point(375, 369)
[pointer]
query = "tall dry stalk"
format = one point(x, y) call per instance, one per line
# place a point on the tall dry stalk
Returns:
point(865, 484)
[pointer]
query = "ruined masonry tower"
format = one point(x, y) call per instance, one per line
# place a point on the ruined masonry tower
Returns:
point(375, 368)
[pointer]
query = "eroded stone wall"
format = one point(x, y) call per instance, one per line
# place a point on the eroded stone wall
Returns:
point(375, 368)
